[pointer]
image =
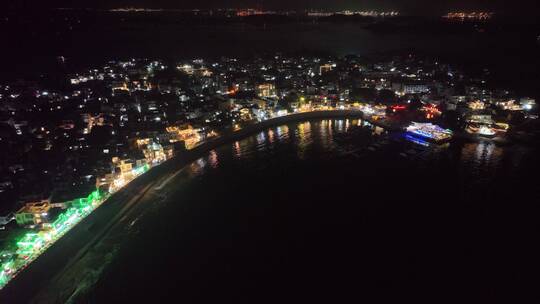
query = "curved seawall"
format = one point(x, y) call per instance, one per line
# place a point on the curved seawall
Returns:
point(72, 247)
point(261, 126)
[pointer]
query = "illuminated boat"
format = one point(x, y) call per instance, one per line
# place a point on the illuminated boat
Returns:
point(481, 130)
point(416, 140)
point(486, 131)
point(429, 132)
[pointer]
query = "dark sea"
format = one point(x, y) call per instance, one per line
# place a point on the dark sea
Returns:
point(335, 211)
point(508, 48)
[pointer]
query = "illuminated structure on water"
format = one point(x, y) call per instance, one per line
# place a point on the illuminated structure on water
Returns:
point(482, 130)
point(429, 132)
point(486, 131)
point(416, 140)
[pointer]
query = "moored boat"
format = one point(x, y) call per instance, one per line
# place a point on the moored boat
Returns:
point(429, 132)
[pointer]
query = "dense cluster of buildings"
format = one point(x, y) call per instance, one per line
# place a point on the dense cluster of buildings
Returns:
point(65, 147)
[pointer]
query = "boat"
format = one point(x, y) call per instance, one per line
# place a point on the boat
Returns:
point(429, 132)
point(486, 131)
point(481, 130)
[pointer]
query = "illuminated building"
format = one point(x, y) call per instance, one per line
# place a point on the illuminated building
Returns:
point(246, 114)
point(154, 153)
point(409, 88)
point(509, 105)
point(124, 166)
point(375, 111)
point(104, 182)
point(191, 70)
point(431, 111)
point(119, 87)
point(32, 244)
point(186, 68)
point(324, 68)
point(476, 105)
point(250, 12)
point(281, 112)
point(140, 142)
point(266, 90)
point(185, 133)
point(33, 213)
point(125, 171)
point(527, 103)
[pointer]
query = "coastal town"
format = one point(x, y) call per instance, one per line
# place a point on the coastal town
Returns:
point(72, 140)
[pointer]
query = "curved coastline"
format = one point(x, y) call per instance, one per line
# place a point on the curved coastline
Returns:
point(258, 127)
point(73, 246)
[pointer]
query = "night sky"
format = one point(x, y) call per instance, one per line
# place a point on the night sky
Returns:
point(420, 7)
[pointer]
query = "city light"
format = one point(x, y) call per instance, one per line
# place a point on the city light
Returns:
point(145, 129)
point(469, 16)
point(32, 244)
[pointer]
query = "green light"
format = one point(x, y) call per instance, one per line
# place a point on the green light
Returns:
point(30, 245)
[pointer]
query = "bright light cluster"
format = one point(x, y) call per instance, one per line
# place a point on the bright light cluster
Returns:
point(471, 16)
point(32, 244)
point(429, 131)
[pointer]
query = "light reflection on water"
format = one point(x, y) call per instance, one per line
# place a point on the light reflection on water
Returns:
point(237, 149)
point(261, 140)
point(197, 167)
point(282, 131)
point(213, 159)
point(481, 161)
point(341, 125)
point(303, 133)
point(478, 162)
point(305, 136)
point(271, 136)
point(326, 135)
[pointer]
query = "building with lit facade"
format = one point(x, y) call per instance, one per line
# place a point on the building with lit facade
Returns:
point(266, 90)
point(325, 68)
point(34, 213)
point(185, 133)
point(477, 105)
point(409, 88)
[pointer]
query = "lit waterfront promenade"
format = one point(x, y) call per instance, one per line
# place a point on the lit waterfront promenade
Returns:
point(62, 254)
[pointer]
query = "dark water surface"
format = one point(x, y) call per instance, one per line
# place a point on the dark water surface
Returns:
point(511, 55)
point(300, 213)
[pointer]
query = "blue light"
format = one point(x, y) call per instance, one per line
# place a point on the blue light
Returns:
point(416, 140)
point(422, 133)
